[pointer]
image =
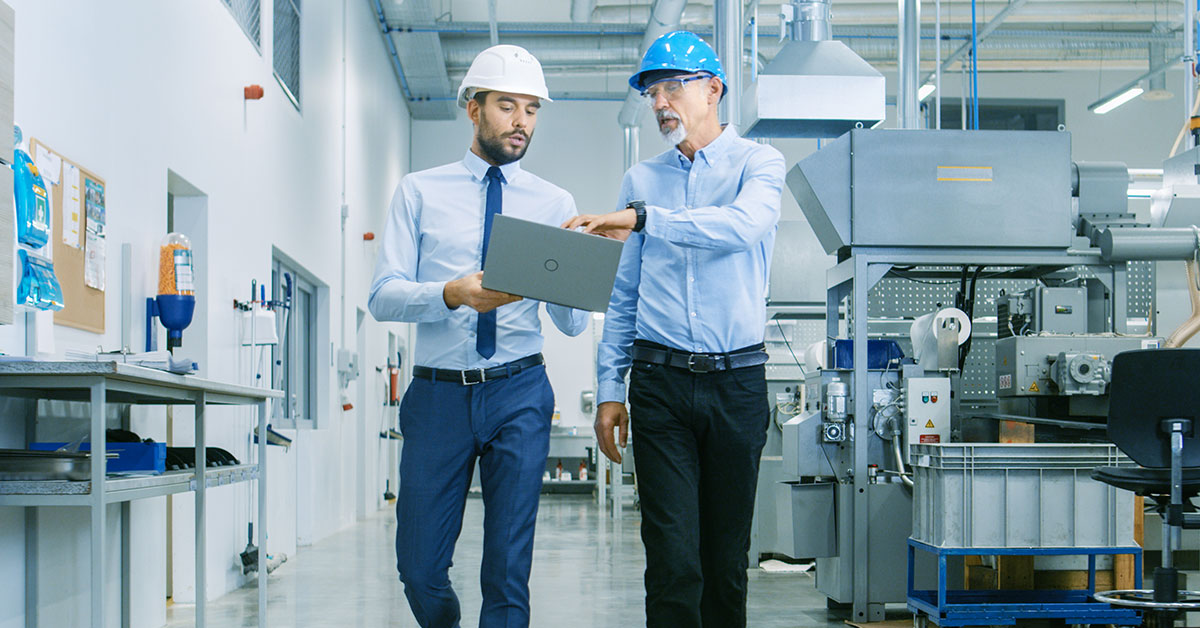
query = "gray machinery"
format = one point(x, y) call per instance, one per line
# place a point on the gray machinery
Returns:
point(991, 222)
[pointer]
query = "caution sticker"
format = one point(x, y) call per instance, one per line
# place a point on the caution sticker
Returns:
point(1034, 387)
point(929, 424)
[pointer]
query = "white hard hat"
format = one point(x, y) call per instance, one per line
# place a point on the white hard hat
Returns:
point(504, 68)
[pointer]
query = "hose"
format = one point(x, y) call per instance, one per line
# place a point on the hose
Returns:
point(1191, 326)
point(904, 476)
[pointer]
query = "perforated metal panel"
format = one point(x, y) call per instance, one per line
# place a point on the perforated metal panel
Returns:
point(900, 298)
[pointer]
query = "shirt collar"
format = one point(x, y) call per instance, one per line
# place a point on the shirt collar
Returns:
point(714, 149)
point(478, 167)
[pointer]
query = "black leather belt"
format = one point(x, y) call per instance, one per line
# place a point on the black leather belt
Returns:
point(479, 376)
point(700, 362)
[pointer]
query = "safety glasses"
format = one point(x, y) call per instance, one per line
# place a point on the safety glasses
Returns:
point(672, 87)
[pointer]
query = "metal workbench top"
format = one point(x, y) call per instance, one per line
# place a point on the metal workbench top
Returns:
point(124, 383)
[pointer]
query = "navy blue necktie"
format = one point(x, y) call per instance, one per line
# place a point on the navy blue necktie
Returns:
point(485, 329)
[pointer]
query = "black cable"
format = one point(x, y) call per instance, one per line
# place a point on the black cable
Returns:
point(789, 345)
point(969, 310)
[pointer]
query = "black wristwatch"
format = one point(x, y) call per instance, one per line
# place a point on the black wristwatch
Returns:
point(639, 208)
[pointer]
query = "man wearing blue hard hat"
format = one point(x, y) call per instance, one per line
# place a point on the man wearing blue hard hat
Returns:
point(687, 315)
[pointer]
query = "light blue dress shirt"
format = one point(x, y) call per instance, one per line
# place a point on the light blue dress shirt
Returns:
point(434, 235)
point(695, 277)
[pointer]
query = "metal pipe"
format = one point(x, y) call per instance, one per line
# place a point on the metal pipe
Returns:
point(581, 10)
point(983, 34)
point(1041, 12)
point(937, 48)
point(631, 146)
point(493, 26)
point(727, 25)
point(812, 21)
point(975, 64)
point(1155, 244)
point(908, 62)
point(1189, 76)
point(664, 17)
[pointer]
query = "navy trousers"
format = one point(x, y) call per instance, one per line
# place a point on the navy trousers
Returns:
point(505, 424)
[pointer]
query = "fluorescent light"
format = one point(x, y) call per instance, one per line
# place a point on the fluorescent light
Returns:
point(925, 91)
point(1118, 100)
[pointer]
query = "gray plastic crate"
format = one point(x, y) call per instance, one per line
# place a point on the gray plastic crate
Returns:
point(1018, 495)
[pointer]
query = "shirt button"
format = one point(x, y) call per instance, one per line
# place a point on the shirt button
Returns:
point(691, 279)
point(693, 313)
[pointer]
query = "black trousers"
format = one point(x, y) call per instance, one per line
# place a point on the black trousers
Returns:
point(697, 439)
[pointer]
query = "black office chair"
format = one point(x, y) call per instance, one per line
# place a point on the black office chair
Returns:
point(1154, 416)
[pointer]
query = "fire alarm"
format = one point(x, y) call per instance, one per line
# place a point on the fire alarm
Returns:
point(253, 92)
point(368, 236)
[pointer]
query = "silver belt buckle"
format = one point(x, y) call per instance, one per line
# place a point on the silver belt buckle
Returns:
point(469, 381)
point(709, 368)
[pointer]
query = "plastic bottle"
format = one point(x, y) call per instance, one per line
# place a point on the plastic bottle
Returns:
point(583, 470)
point(558, 470)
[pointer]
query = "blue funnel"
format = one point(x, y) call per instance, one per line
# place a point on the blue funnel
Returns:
point(175, 313)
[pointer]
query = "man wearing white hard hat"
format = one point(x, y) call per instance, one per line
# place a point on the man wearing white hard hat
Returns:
point(479, 390)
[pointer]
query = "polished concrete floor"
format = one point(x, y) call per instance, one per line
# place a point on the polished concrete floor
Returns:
point(587, 572)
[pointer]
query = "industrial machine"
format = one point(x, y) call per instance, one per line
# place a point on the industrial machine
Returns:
point(1008, 277)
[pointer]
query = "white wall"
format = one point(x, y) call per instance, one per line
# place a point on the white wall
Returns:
point(132, 88)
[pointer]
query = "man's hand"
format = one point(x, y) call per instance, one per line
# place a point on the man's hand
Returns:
point(469, 291)
point(612, 414)
point(617, 225)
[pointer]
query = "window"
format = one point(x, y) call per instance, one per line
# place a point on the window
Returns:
point(246, 13)
point(294, 359)
point(1002, 114)
point(287, 48)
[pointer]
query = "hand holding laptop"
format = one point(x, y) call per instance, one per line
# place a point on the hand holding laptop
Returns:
point(469, 291)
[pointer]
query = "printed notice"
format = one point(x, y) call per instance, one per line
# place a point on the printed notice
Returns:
point(71, 206)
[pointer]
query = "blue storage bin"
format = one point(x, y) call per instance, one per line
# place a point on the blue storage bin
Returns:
point(130, 456)
point(879, 354)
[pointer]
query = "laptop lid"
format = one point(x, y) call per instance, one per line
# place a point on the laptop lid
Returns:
point(547, 263)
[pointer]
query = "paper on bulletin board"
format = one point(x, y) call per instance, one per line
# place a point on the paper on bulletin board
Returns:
point(71, 207)
point(95, 255)
point(49, 165)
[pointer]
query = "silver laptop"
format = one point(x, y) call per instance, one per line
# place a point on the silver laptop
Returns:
point(550, 264)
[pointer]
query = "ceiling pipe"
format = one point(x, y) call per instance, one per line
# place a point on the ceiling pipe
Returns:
point(664, 17)
point(624, 51)
point(847, 13)
point(986, 32)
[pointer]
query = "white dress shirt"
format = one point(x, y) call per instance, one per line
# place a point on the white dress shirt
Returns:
point(434, 235)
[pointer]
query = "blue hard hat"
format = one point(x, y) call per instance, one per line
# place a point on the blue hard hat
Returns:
point(681, 51)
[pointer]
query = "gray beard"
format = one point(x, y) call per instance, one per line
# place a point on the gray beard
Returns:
point(675, 136)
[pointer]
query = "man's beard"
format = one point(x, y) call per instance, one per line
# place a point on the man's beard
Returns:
point(496, 147)
point(675, 136)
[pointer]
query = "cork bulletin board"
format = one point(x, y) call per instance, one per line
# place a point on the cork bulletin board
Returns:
point(83, 304)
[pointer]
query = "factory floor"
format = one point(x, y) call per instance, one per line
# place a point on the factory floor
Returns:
point(587, 572)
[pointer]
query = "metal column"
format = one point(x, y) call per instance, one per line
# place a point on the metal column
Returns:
point(909, 32)
point(727, 31)
point(201, 519)
point(262, 513)
point(1189, 61)
point(98, 510)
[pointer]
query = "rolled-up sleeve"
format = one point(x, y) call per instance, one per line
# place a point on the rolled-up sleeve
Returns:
point(396, 295)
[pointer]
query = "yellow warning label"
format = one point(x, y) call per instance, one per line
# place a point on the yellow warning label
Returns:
point(929, 425)
point(1034, 387)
